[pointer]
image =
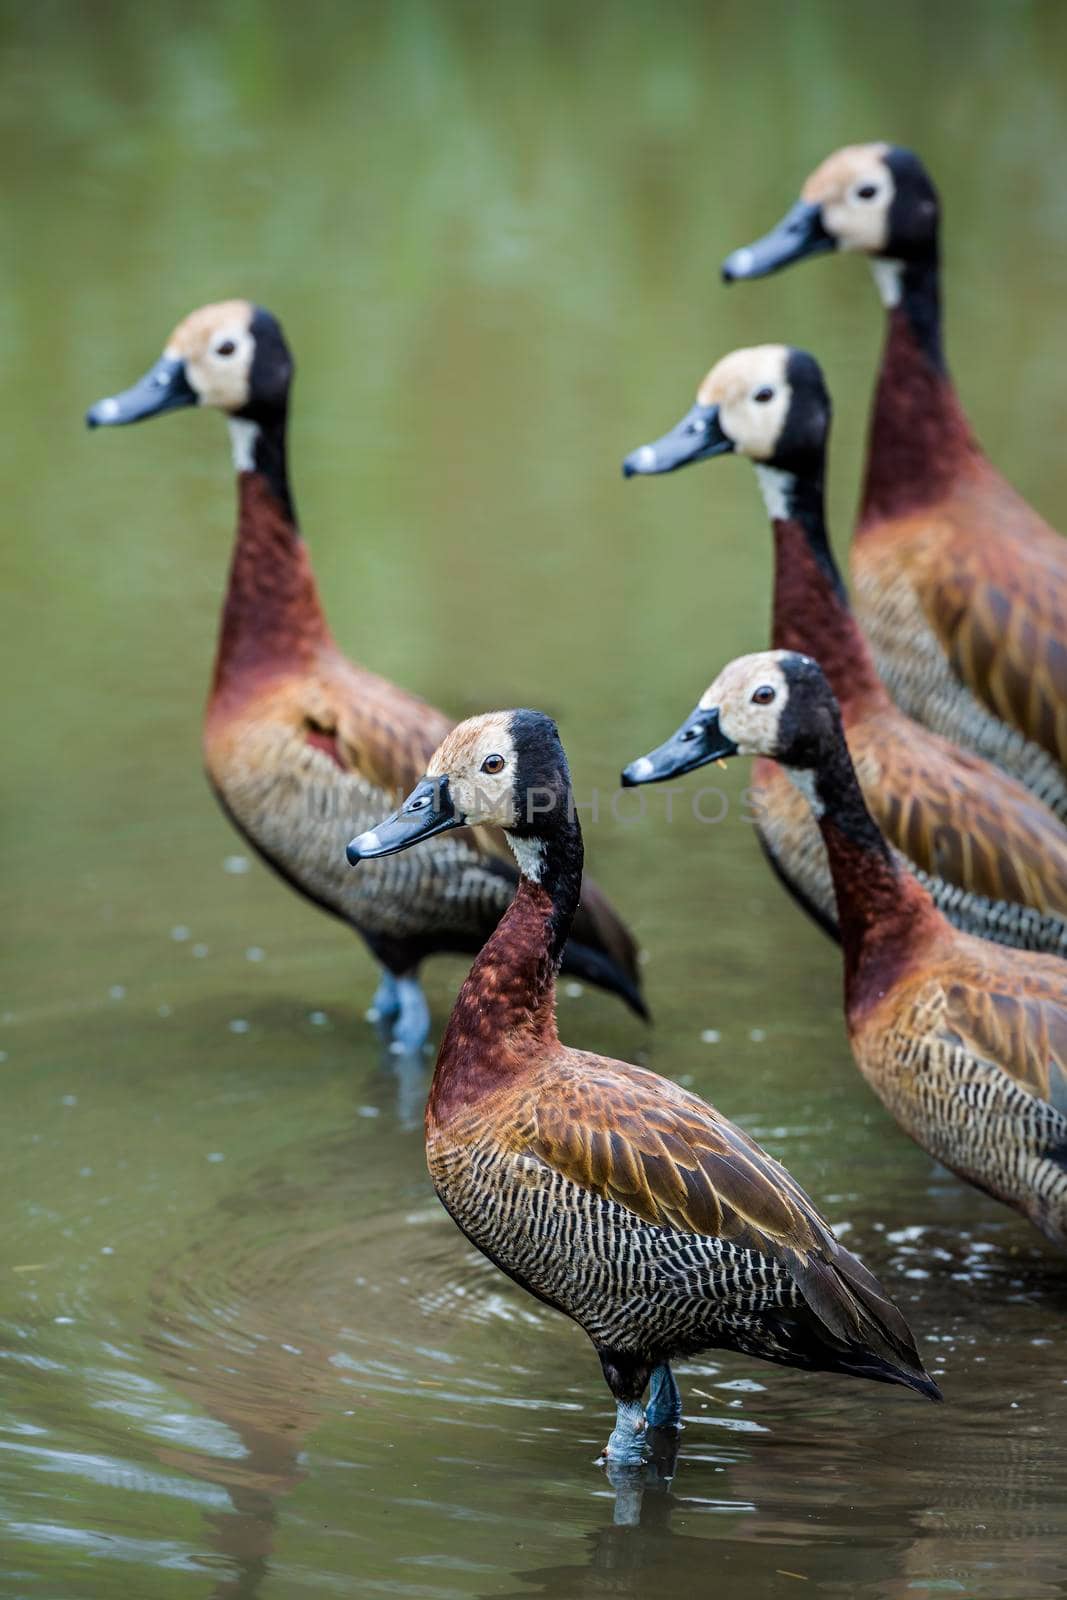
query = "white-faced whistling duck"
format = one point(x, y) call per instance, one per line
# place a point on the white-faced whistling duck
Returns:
point(608, 1192)
point(960, 585)
point(993, 857)
point(963, 1041)
point(300, 741)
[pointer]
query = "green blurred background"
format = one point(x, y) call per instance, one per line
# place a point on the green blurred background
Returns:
point(246, 1354)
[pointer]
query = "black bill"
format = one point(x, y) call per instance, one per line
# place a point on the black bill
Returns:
point(695, 438)
point(799, 234)
point(427, 810)
point(698, 741)
point(163, 388)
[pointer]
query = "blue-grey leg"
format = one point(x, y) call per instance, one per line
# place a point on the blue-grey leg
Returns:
point(412, 1027)
point(626, 1447)
point(664, 1409)
point(386, 1002)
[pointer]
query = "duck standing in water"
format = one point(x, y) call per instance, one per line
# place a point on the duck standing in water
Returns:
point(993, 857)
point(960, 585)
point(964, 1042)
point(606, 1191)
point(298, 740)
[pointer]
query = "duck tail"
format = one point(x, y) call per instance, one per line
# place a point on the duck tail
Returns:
point(888, 1372)
point(858, 1327)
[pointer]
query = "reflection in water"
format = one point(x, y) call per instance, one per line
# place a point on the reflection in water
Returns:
point(814, 1503)
point(260, 1322)
point(276, 1314)
point(633, 1485)
point(303, 1303)
point(411, 1073)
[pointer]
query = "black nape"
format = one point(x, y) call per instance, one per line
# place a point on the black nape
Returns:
point(915, 209)
point(268, 403)
point(801, 446)
point(544, 807)
point(811, 737)
point(801, 452)
point(272, 368)
point(811, 719)
point(542, 776)
point(913, 241)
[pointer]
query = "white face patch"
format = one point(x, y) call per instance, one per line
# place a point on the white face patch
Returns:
point(243, 437)
point(750, 389)
point(750, 722)
point(217, 348)
point(775, 486)
point(804, 779)
point(857, 216)
point(530, 854)
point(889, 280)
point(478, 795)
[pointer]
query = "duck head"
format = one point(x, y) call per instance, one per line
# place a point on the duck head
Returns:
point(232, 356)
point(769, 403)
point(775, 703)
point(874, 199)
point(505, 768)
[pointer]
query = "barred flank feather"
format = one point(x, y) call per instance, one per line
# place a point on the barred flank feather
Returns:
point(641, 1213)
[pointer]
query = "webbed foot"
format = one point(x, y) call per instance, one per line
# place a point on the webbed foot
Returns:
point(626, 1446)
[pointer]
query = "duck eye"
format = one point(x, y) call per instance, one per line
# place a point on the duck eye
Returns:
point(764, 394)
point(866, 191)
point(763, 695)
point(226, 348)
point(493, 764)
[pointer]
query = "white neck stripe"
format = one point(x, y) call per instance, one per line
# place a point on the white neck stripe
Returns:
point(803, 779)
point(530, 854)
point(244, 436)
point(889, 278)
point(774, 487)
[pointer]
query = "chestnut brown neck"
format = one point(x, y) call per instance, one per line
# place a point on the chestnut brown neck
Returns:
point(272, 619)
point(505, 1013)
point(919, 440)
point(811, 610)
point(882, 911)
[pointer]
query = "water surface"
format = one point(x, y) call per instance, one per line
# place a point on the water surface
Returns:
point(245, 1353)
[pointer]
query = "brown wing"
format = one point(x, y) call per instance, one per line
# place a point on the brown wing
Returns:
point(640, 1140)
point(958, 817)
point(674, 1161)
point(384, 733)
point(1014, 1013)
point(999, 606)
